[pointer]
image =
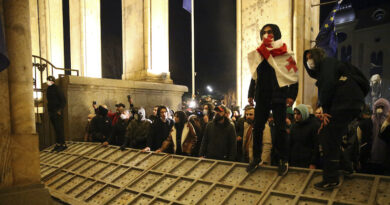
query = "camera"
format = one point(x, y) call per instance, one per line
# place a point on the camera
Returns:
point(94, 102)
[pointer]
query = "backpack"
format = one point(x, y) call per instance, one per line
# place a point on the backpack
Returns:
point(357, 75)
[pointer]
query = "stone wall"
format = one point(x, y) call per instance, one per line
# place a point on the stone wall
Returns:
point(80, 92)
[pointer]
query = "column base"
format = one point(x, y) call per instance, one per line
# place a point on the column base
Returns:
point(30, 194)
point(147, 76)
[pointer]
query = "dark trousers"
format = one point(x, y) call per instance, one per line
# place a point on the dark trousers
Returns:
point(58, 124)
point(263, 106)
point(330, 139)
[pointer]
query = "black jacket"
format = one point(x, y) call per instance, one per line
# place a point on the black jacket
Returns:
point(137, 134)
point(55, 98)
point(267, 82)
point(100, 128)
point(366, 128)
point(304, 148)
point(159, 132)
point(219, 141)
point(335, 93)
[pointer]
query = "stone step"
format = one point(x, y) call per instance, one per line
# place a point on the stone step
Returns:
point(89, 173)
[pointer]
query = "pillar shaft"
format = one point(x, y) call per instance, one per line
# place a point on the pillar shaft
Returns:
point(85, 37)
point(146, 40)
point(24, 142)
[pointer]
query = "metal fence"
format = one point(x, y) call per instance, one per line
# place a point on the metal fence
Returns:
point(89, 173)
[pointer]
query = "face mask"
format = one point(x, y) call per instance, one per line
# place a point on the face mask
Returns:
point(49, 83)
point(379, 110)
point(310, 63)
point(123, 116)
point(89, 120)
point(205, 112)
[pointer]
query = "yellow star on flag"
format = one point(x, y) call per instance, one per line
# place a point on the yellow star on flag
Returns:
point(334, 11)
point(331, 18)
point(326, 25)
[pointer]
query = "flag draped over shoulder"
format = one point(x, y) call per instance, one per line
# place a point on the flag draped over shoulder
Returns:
point(327, 37)
point(187, 5)
point(4, 62)
point(280, 59)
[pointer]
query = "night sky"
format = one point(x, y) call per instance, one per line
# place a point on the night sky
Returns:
point(215, 44)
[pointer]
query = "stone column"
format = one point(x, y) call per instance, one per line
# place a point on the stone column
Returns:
point(85, 37)
point(47, 32)
point(146, 40)
point(24, 141)
point(306, 28)
point(5, 124)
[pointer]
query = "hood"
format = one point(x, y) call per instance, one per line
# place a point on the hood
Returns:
point(381, 102)
point(318, 54)
point(141, 111)
point(102, 111)
point(303, 110)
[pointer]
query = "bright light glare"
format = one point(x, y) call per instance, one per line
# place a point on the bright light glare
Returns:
point(192, 104)
point(209, 88)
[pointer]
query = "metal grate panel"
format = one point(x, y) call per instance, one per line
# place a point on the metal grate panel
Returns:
point(89, 173)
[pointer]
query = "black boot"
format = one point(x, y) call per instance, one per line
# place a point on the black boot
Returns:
point(253, 165)
point(55, 149)
point(62, 148)
point(282, 167)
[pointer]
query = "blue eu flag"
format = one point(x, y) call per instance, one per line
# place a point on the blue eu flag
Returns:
point(4, 62)
point(327, 37)
point(187, 5)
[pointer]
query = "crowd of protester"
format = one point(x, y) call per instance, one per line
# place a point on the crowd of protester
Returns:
point(216, 132)
point(340, 137)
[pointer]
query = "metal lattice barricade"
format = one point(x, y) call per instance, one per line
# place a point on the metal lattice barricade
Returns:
point(89, 173)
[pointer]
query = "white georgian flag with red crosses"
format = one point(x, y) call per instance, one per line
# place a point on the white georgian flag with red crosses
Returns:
point(275, 52)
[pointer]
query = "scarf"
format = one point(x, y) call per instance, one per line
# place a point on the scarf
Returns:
point(282, 61)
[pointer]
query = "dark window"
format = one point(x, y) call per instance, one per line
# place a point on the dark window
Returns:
point(111, 39)
point(349, 53)
point(373, 57)
point(379, 58)
point(66, 31)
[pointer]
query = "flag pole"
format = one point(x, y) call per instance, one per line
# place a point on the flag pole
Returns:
point(193, 48)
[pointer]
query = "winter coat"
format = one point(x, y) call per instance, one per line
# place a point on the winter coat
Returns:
point(188, 140)
point(197, 125)
point(159, 132)
point(55, 98)
point(385, 136)
point(379, 146)
point(219, 141)
point(304, 148)
point(100, 128)
point(137, 133)
point(243, 128)
point(268, 81)
point(336, 91)
point(364, 134)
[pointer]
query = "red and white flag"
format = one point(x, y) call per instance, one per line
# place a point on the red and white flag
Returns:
point(282, 61)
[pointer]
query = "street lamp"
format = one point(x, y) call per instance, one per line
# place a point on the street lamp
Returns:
point(209, 88)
